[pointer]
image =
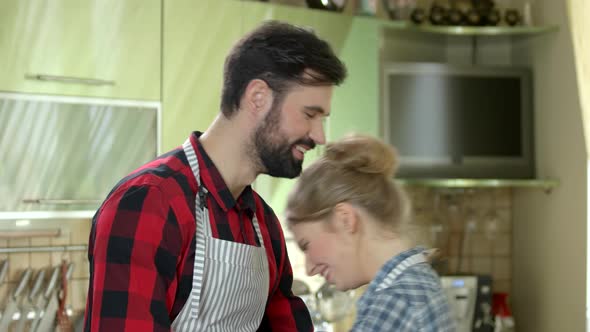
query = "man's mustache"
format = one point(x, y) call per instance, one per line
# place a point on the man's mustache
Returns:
point(307, 142)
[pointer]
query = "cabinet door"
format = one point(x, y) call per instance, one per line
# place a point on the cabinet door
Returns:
point(106, 48)
point(197, 37)
point(65, 154)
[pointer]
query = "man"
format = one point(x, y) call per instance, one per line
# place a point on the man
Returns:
point(184, 243)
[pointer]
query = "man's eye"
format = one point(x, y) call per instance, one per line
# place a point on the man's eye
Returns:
point(309, 115)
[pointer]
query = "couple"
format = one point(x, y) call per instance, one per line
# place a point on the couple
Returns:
point(183, 243)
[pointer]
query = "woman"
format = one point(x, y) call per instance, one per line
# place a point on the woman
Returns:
point(351, 220)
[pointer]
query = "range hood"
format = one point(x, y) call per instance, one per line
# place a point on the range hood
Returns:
point(60, 156)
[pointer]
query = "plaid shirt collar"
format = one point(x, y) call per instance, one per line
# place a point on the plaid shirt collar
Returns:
point(387, 268)
point(394, 262)
point(212, 180)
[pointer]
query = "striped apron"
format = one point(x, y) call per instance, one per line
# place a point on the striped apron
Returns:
point(230, 279)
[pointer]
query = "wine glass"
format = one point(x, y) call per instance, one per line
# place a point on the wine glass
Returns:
point(302, 290)
point(470, 225)
point(333, 305)
point(492, 219)
point(439, 229)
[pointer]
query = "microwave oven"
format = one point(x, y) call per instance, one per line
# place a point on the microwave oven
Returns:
point(453, 121)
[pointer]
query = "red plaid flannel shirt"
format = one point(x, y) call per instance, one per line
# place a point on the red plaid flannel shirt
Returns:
point(142, 247)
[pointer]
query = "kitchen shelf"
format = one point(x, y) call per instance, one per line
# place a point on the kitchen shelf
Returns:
point(469, 30)
point(544, 184)
point(403, 25)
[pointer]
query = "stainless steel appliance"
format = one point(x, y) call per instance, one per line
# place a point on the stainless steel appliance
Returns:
point(470, 297)
point(445, 120)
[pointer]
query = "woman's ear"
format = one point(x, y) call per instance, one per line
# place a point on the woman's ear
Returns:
point(257, 97)
point(346, 218)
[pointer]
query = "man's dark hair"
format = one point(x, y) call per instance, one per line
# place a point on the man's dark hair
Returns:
point(281, 54)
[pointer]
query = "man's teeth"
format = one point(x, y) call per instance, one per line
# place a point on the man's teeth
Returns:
point(300, 148)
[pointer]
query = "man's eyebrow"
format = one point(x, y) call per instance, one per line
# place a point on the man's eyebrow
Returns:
point(317, 109)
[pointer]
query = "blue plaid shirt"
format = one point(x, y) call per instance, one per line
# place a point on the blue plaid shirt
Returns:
point(415, 301)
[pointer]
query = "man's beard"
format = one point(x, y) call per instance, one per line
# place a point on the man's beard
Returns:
point(274, 150)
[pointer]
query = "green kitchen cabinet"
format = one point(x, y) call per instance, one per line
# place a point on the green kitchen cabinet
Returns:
point(197, 37)
point(106, 48)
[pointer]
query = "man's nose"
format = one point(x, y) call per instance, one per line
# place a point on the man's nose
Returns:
point(317, 133)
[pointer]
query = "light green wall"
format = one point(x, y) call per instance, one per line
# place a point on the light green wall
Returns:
point(356, 102)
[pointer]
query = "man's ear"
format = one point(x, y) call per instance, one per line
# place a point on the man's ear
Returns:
point(346, 218)
point(257, 97)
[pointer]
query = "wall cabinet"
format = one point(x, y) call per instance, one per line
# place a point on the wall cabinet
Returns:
point(197, 37)
point(106, 48)
point(61, 156)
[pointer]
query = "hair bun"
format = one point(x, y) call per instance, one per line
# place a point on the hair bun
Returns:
point(364, 154)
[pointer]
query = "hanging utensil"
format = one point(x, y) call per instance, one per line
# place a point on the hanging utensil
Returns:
point(3, 270)
point(63, 321)
point(43, 300)
point(28, 305)
point(12, 306)
point(47, 323)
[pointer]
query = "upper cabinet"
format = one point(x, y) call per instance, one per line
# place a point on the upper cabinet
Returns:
point(60, 156)
point(197, 37)
point(107, 48)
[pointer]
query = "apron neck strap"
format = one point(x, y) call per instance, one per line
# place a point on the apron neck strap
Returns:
point(201, 197)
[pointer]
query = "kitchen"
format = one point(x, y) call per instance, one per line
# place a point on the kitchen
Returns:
point(159, 52)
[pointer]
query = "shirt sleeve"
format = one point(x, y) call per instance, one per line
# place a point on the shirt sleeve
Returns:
point(285, 312)
point(134, 248)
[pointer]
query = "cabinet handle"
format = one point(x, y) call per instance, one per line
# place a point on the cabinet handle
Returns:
point(68, 79)
point(60, 201)
point(9, 234)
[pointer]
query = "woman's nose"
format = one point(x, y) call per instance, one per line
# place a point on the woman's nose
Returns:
point(310, 267)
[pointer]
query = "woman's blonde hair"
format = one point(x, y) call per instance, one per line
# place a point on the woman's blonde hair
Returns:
point(357, 169)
